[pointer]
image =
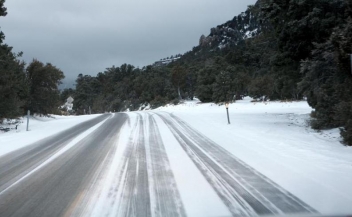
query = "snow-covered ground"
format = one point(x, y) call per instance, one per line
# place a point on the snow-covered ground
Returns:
point(39, 128)
point(275, 139)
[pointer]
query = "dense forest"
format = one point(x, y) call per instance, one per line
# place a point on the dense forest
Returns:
point(275, 50)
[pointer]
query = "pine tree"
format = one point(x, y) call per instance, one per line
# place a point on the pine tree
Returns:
point(178, 77)
point(44, 97)
point(13, 86)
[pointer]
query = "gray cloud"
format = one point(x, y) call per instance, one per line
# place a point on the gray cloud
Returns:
point(86, 36)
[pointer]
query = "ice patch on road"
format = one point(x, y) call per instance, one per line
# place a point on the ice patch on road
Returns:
point(67, 147)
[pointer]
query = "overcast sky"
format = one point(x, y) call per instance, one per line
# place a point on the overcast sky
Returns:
point(87, 36)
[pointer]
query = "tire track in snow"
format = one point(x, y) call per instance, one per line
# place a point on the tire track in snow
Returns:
point(167, 198)
point(135, 191)
point(146, 185)
point(244, 190)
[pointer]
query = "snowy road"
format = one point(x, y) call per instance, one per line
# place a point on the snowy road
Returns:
point(136, 164)
point(48, 180)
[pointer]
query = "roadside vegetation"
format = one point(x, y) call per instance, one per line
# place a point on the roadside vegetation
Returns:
point(276, 50)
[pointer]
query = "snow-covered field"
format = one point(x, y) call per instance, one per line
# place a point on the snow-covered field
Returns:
point(273, 138)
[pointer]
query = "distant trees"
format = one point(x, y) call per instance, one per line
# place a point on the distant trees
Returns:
point(302, 50)
point(87, 89)
point(275, 50)
point(223, 88)
point(178, 78)
point(297, 48)
point(122, 88)
point(190, 83)
point(43, 81)
point(205, 82)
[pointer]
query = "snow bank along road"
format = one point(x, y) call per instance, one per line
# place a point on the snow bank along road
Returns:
point(136, 164)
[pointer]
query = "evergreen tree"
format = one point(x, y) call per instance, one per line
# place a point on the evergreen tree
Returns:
point(43, 81)
point(3, 9)
point(223, 87)
point(13, 86)
point(328, 81)
point(205, 80)
point(178, 77)
point(87, 89)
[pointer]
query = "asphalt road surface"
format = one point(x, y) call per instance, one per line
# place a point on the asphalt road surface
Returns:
point(58, 176)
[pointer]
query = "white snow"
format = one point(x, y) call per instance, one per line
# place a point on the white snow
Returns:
point(274, 139)
point(100, 203)
point(250, 34)
point(39, 128)
point(197, 195)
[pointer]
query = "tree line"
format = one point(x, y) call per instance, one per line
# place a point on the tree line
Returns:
point(122, 88)
point(303, 50)
point(277, 50)
point(26, 87)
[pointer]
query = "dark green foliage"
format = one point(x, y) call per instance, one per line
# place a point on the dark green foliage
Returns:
point(206, 79)
point(328, 81)
point(314, 41)
point(178, 78)
point(13, 88)
point(299, 23)
point(190, 83)
point(2, 9)
point(276, 49)
point(124, 87)
point(262, 86)
point(87, 89)
point(223, 87)
point(43, 81)
point(230, 84)
point(34, 88)
point(301, 48)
